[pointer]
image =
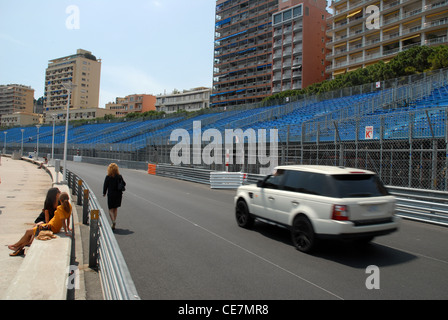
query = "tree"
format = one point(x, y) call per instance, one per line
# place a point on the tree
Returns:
point(439, 58)
point(415, 60)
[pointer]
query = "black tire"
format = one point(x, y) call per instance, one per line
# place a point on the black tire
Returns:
point(303, 236)
point(242, 215)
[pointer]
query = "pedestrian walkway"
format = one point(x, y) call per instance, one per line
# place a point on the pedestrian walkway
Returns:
point(23, 189)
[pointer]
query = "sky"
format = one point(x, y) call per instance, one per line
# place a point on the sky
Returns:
point(146, 46)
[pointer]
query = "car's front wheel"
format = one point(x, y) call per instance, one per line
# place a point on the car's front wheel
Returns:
point(303, 236)
point(242, 215)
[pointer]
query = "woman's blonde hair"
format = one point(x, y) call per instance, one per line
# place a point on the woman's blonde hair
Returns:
point(112, 170)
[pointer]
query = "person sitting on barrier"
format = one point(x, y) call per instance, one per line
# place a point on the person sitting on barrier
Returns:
point(114, 186)
point(44, 162)
point(50, 205)
point(60, 220)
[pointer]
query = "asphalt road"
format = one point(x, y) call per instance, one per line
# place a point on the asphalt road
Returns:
point(180, 241)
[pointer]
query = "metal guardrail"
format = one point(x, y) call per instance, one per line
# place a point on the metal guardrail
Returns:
point(421, 205)
point(104, 250)
point(226, 180)
point(184, 173)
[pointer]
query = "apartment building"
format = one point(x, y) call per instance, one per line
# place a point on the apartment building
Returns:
point(20, 119)
point(299, 48)
point(133, 103)
point(362, 32)
point(76, 114)
point(187, 100)
point(243, 51)
point(82, 69)
point(16, 98)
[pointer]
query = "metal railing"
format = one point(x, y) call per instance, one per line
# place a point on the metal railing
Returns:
point(184, 173)
point(104, 251)
point(421, 205)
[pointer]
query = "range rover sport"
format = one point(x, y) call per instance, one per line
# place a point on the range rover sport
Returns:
point(318, 202)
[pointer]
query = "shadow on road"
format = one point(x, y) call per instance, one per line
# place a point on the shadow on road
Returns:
point(348, 253)
point(123, 232)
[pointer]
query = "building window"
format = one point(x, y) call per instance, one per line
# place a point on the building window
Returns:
point(297, 11)
point(277, 18)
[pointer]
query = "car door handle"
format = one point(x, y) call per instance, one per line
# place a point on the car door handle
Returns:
point(295, 203)
point(271, 198)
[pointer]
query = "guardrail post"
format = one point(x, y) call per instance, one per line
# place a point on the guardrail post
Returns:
point(85, 207)
point(94, 235)
point(79, 200)
point(73, 185)
point(69, 178)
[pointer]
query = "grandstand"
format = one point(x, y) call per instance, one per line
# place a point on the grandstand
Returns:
point(415, 109)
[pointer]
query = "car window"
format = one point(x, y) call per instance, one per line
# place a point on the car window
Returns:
point(307, 182)
point(359, 185)
point(274, 181)
point(294, 181)
point(317, 184)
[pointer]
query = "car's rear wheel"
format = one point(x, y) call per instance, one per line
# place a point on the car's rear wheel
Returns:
point(242, 215)
point(303, 236)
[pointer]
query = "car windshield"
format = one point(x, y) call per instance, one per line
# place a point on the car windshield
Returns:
point(358, 185)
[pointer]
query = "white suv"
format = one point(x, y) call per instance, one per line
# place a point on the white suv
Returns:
point(317, 202)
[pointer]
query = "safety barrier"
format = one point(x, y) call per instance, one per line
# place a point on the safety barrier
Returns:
point(104, 251)
point(152, 168)
point(421, 205)
point(184, 173)
point(226, 180)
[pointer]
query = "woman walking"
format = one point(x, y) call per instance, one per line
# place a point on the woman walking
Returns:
point(113, 187)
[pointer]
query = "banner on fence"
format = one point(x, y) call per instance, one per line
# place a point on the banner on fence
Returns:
point(369, 133)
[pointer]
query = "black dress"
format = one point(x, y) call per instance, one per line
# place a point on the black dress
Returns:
point(41, 217)
point(114, 196)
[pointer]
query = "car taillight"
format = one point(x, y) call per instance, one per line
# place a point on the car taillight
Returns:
point(340, 213)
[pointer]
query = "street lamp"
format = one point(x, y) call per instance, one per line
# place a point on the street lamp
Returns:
point(23, 130)
point(52, 141)
point(69, 86)
point(4, 148)
point(37, 155)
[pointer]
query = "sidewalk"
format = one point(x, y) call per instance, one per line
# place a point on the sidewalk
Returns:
point(23, 189)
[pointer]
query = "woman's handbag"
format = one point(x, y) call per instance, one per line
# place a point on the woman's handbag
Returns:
point(121, 184)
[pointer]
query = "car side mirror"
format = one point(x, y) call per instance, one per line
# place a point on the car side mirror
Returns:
point(260, 183)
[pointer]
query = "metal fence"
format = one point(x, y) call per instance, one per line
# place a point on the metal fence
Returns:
point(104, 251)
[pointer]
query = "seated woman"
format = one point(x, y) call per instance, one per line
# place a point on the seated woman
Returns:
point(50, 205)
point(61, 219)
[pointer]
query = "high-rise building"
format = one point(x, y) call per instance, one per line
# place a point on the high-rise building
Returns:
point(299, 44)
point(83, 69)
point(16, 98)
point(243, 51)
point(363, 32)
point(264, 47)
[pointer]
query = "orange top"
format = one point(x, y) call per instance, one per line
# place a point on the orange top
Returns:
point(59, 215)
